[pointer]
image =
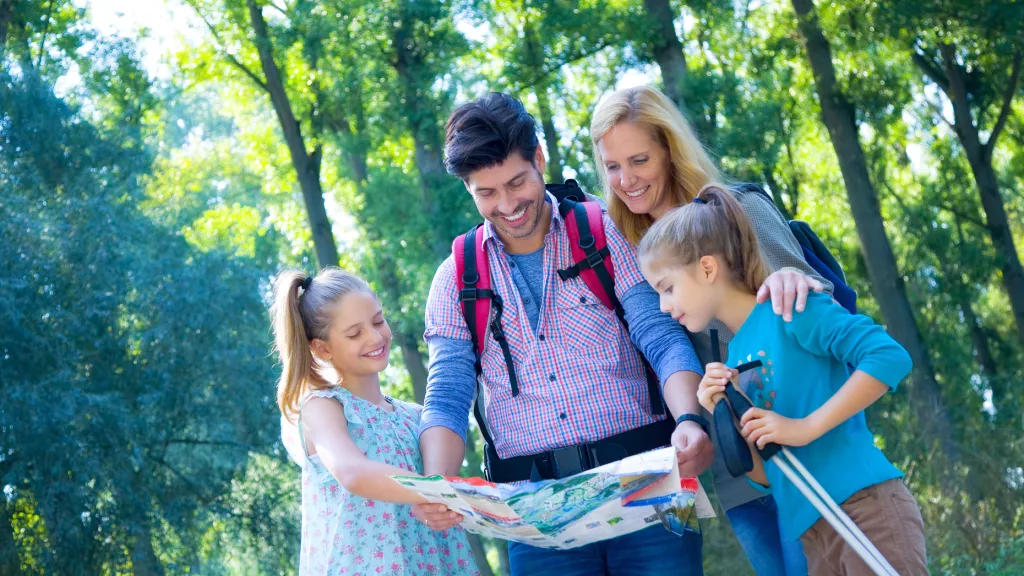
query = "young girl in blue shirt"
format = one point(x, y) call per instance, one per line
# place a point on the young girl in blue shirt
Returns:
point(704, 261)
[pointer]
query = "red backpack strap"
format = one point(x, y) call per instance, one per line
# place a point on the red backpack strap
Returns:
point(584, 224)
point(473, 279)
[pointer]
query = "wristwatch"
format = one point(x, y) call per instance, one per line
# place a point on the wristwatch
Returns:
point(700, 420)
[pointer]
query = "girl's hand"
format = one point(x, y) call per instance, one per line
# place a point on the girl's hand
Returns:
point(762, 426)
point(436, 516)
point(716, 376)
point(785, 288)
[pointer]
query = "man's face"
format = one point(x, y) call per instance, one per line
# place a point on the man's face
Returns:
point(511, 195)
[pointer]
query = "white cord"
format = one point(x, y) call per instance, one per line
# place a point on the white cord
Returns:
point(838, 519)
point(839, 512)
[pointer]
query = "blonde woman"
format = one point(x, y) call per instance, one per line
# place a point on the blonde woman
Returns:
point(650, 161)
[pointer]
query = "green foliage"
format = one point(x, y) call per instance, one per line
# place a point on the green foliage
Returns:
point(142, 220)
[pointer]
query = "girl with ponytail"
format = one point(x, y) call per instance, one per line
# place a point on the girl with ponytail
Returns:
point(333, 343)
point(705, 262)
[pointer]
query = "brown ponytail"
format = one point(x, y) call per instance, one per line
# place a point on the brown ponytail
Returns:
point(299, 314)
point(714, 224)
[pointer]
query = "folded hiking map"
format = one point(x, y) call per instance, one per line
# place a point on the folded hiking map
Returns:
point(598, 504)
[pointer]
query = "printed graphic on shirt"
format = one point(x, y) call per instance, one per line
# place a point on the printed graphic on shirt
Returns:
point(759, 383)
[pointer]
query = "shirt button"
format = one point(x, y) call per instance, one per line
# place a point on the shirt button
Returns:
point(541, 337)
point(552, 377)
point(562, 416)
point(526, 300)
point(512, 263)
point(583, 299)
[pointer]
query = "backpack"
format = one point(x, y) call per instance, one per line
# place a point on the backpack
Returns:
point(816, 254)
point(584, 225)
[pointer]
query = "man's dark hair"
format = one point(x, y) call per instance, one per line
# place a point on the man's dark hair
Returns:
point(486, 131)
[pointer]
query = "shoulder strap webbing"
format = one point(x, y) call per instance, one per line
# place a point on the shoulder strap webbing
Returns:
point(473, 279)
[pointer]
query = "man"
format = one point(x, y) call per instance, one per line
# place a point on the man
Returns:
point(580, 375)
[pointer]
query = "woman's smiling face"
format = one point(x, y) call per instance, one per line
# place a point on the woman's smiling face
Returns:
point(637, 168)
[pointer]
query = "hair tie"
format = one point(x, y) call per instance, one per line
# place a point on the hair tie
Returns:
point(699, 200)
point(305, 283)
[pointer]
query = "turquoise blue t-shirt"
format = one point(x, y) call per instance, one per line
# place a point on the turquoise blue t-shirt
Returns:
point(804, 363)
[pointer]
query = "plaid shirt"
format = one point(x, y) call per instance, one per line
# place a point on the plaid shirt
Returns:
point(580, 377)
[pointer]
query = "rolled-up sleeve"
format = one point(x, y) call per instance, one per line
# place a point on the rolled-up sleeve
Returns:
point(451, 375)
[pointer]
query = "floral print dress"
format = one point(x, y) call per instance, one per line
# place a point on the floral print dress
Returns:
point(344, 534)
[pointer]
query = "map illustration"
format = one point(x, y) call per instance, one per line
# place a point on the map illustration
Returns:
point(609, 501)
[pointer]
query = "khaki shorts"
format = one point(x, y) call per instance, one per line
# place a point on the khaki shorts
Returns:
point(888, 515)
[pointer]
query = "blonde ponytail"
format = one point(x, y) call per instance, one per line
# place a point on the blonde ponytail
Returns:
point(714, 224)
point(300, 313)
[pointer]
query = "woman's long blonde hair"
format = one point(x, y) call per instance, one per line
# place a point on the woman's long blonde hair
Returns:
point(300, 314)
point(715, 224)
point(690, 166)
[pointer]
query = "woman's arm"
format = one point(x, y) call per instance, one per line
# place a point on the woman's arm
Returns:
point(326, 432)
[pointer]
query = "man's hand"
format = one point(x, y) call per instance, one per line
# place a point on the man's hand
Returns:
point(693, 449)
point(763, 426)
point(436, 516)
point(716, 376)
point(786, 287)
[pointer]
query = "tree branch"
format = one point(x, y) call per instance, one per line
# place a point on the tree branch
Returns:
point(927, 65)
point(544, 74)
point(1004, 113)
point(230, 57)
point(42, 41)
point(6, 13)
point(191, 484)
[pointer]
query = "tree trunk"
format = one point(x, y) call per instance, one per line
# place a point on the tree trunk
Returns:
point(144, 560)
point(480, 555)
point(414, 363)
point(9, 561)
point(6, 11)
point(668, 51)
point(980, 158)
point(307, 165)
point(550, 135)
point(838, 115)
point(406, 339)
point(420, 111)
point(535, 54)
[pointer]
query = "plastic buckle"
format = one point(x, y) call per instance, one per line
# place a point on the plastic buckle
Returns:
point(467, 295)
point(568, 461)
point(594, 259)
point(496, 331)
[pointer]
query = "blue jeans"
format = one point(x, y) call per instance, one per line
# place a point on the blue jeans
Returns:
point(654, 551)
point(756, 525)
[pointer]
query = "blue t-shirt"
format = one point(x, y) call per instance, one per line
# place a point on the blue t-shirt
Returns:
point(804, 363)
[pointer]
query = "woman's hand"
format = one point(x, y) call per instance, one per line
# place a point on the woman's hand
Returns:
point(436, 516)
point(762, 426)
point(716, 376)
point(785, 288)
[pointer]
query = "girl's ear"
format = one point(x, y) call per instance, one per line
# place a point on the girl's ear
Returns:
point(707, 269)
point(321, 350)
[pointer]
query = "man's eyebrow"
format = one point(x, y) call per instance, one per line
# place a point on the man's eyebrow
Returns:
point(516, 177)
